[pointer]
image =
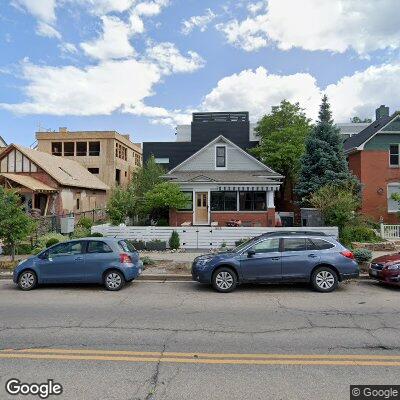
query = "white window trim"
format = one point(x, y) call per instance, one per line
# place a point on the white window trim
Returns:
point(393, 184)
point(398, 152)
point(215, 157)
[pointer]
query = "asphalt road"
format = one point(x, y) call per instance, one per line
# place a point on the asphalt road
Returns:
point(185, 341)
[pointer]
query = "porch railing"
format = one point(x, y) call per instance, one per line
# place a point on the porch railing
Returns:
point(390, 232)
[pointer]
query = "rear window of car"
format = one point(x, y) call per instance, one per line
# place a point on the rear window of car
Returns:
point(294, 244)
point(318, 244)
point(127, 246)
point(98, 247)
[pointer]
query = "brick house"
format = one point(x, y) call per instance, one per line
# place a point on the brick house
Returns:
point(50, 185)
point(374, 157)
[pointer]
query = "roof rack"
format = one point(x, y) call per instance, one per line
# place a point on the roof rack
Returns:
point(295, 233)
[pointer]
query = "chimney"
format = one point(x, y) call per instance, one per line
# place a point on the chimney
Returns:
point(62, 129)
point(382, 111)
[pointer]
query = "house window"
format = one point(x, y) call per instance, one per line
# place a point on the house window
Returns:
point(220, 156)
point(253, 201)
point(223, 201)
point(138, 161)
point(56, 148)
point(394, 155)
point(393, 205)
point(94, 171)
point(81, 148)
point(94, 148)
point(77, 204)
point(189, 204)
point(69, 148)
point(118, 177)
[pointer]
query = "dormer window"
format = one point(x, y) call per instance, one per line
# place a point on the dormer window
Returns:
point(220, 157)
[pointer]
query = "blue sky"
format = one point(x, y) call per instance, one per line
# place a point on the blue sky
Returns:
point(142, 66)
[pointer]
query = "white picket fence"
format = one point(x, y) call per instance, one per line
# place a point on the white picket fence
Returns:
point(390, 232)
point(198, 237)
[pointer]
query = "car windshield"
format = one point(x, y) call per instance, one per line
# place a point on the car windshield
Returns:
point(242, 246)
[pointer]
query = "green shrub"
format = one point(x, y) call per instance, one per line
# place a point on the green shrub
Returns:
point(20, 249)
point(52, 241)
point(361, 233)
point(162, 222)
point(174, 242)
point(42, 241)
point(96, 234)
point(363, 255)
point(156, 244)
point(80, 232)
point(147, 261)
point(85, 222)
point(138, 244)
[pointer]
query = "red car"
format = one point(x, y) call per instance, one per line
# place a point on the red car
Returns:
point(386, 269)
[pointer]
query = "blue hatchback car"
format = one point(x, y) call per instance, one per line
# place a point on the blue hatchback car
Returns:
point(109, 261)
point(279, 257)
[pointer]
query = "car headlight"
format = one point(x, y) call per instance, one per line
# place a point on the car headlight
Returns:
point(393, 267)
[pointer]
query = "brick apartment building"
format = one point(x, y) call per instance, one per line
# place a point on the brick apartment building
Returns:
point(374, 157)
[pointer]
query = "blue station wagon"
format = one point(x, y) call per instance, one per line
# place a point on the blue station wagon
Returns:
point(279, 257)
point(107, 261)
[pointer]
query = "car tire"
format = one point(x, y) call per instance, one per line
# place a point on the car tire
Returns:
point(324, 280)
point(113, 280)
point(224, 280)
point(27, 280)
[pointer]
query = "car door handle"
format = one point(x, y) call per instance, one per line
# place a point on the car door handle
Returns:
point(78, 258)
point(275, 258)
point(312, 256)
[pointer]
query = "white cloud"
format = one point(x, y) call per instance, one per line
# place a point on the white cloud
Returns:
point(68, 48)
point(170, 60)
point(254, 8)
point(256, 91)
point(150, 8)
point(47, 30)
point(361, 25)
point(96, 90)
point(360, 94)
point(113, 43)
point(102, 7)
point(200, 21)
point(43, 10)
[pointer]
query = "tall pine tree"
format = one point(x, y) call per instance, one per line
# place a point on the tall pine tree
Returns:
point(324, 161)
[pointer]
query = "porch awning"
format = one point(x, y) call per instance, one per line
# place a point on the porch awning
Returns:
point(29, 182)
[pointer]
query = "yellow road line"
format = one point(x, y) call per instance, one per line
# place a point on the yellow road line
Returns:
point(71, 357)
point(205, 355)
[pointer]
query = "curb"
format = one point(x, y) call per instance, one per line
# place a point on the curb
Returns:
point(173, 277)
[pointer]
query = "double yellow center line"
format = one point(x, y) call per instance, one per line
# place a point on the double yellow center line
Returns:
point(202, 358)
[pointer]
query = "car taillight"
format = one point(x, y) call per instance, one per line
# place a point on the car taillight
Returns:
point(347, 254)
point(125, 258)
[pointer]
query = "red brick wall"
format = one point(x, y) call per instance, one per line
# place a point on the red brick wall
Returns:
point(255, 218)
point(372, 168)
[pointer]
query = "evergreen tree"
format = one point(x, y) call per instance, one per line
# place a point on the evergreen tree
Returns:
point(324, 161)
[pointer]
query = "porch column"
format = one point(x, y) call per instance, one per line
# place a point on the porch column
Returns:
point(270, 199)
point(270, 208)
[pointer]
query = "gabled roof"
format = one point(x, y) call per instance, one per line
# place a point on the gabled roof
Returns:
point(219, 138)
point(357, 141)
point(66, 172)
point(29, 182)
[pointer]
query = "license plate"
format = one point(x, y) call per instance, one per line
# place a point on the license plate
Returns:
point(374, 273)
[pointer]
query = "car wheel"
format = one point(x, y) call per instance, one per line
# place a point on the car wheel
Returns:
point(324, 279)
point(27, 280)
point(114, 280)
point(224, 280)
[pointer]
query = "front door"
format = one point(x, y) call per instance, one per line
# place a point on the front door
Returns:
point(201, 211)
point(262, 262)
point(65, 263)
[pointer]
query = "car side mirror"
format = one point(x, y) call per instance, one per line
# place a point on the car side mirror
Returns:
point(250, 253)
point(44, 256)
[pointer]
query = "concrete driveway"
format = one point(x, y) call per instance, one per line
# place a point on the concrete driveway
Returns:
point(185, 341)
